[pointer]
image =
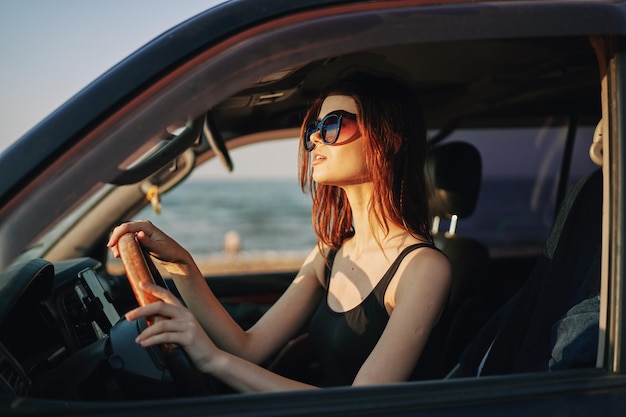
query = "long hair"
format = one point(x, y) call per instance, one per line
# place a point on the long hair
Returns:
point(394, 143)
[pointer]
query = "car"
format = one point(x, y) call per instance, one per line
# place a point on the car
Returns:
point(523, 102)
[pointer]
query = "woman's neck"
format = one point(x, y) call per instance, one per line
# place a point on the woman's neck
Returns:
point(368, 232)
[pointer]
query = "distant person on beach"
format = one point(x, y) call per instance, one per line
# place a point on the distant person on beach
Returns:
point(232, 244)
point(371, 290)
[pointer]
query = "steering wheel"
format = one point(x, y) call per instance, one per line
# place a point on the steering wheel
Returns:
point(139, 267)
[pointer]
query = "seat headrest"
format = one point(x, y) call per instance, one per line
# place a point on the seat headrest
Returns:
point(456, 173)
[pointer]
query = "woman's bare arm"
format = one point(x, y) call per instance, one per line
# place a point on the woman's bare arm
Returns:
point(417, 296)
point(275, 328)
point(272, 331)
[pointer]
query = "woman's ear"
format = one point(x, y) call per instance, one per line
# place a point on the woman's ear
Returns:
point(595, 150)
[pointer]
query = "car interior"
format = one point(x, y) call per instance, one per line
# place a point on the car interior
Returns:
point(484, 100)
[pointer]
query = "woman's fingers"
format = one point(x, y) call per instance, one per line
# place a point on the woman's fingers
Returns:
point(129, 227)
point(160, 293)
point(143, 229)
point(162, 247)
point(173, 330)
point(172, 323)
point(169, 307)
point(160, 309)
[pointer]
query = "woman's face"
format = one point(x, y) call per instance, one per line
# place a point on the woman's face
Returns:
point(342, 163)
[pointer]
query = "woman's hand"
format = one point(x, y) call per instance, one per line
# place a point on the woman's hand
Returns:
point(173, 323)
point(161, 247)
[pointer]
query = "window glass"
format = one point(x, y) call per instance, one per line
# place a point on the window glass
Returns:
point(521, 168)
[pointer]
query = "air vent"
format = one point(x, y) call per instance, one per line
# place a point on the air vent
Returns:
point(12, 379)
point(79, 319)
point(85, 334)
point(73, 305)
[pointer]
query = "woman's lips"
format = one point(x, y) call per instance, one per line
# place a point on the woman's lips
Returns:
point(317, 158)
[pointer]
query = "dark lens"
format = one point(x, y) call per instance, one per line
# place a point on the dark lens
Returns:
point(330, 129)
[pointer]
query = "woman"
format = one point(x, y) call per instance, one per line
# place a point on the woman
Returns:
point(373, 287)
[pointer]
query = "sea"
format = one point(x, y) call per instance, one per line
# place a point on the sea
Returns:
point(272, 217)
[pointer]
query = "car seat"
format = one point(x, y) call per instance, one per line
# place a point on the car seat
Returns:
point(455, 169)
point(552, 322)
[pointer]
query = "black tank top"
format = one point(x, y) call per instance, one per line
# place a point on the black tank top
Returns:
point(344, 340)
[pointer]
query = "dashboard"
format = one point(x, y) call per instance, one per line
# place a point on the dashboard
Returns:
point(62, 335)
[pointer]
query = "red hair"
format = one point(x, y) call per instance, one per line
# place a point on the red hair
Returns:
point(394, 142)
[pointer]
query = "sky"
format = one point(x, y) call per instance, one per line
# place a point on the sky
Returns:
point(51, 49)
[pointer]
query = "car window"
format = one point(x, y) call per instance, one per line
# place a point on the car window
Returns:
point(255, 219)
point(260, 220)
point(521, 167)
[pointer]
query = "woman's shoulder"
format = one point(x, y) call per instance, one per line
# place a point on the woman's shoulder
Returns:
point(421, 244)
point(424, 261)
point(425, 270)
point(315, 263)
point(425, 255)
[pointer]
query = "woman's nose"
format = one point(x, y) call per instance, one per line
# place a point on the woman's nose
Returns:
point(316, 137)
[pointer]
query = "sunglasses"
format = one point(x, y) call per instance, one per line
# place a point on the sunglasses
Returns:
point(329, 128)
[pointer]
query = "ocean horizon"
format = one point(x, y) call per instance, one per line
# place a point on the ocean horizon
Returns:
point(272, 217)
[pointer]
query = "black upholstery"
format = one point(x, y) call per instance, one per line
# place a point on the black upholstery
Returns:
point(456, 173)
point(552, 322)
point(455, 169)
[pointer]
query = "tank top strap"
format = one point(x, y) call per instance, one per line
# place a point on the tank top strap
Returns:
point(329, 266)
point(381, 287)
point(384, 282)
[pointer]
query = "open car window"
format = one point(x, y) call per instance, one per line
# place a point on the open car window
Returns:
point(255, 219)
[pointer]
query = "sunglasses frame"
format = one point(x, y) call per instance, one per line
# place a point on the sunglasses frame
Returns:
point(315, 126)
